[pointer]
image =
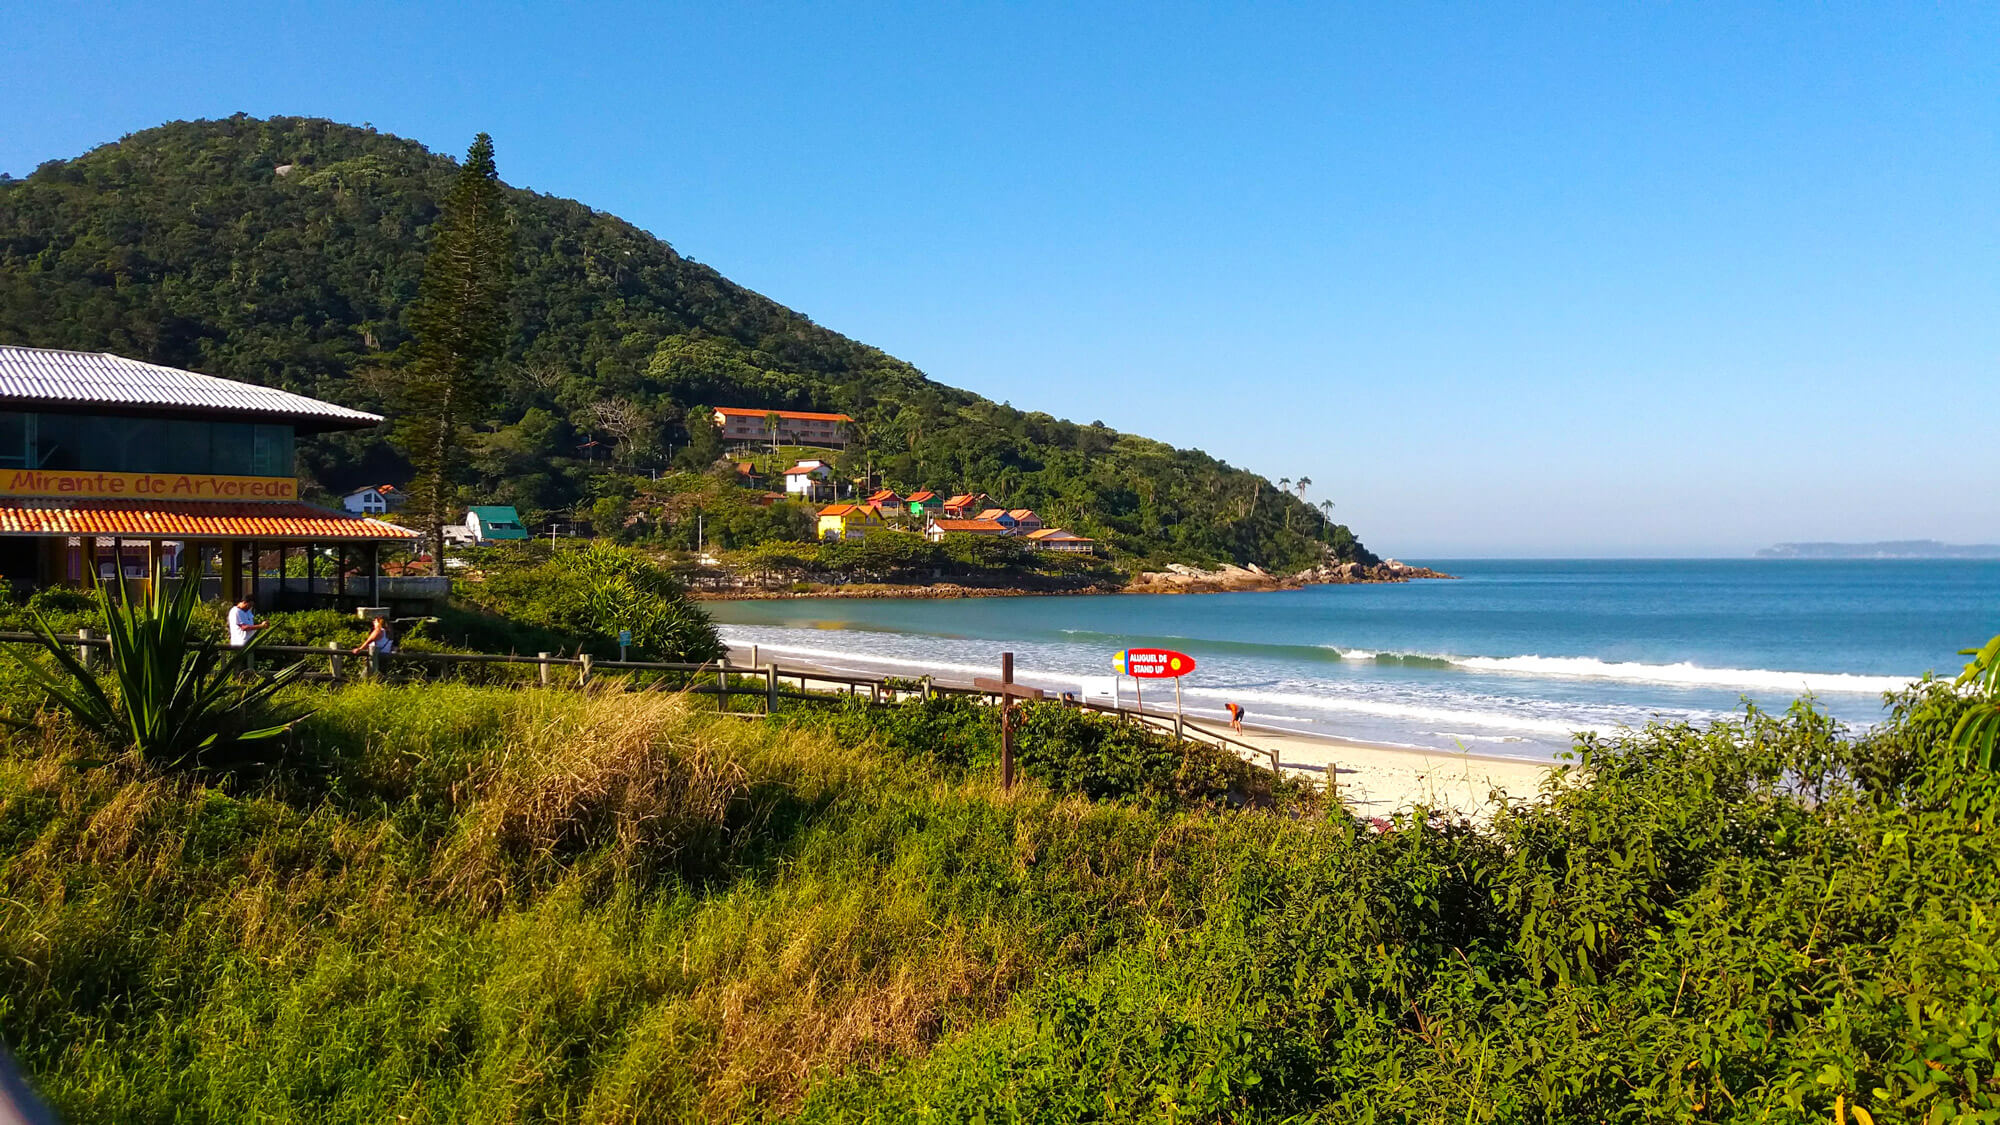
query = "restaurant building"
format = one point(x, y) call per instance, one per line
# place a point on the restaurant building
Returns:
point(110, 466)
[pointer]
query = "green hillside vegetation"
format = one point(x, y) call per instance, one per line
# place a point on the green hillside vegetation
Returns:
point(288, 252)
point(476, 904)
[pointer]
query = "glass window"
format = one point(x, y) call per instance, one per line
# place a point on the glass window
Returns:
point(17, 439)
point(272, 455)
point(186, 448)
point(231, 446)
point(59, 441)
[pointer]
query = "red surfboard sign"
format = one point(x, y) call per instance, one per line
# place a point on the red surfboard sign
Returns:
point(1152, 663)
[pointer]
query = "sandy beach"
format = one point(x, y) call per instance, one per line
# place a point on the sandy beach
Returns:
point(1372, 780)
point(1380, 781)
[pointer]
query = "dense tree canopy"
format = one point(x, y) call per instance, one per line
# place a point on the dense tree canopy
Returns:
point(290, 252)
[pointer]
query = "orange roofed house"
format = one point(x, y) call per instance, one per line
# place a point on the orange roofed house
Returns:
point(110, 466)
point(745, 425)
point(938, 529)
point(967, 505)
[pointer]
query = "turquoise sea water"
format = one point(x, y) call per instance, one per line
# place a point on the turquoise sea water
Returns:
point(1508, 659)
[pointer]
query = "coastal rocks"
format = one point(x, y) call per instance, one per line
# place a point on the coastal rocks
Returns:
point(1389, 570)
point(1180, 578)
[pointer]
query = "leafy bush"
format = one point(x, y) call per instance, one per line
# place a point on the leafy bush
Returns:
point(1075, 751)
point(954, 732)
point(591, 592)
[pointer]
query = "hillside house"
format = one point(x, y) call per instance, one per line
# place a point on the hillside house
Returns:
point(375, 500)
point(1017, 521)
point(808, 479)
point(749, 426)
point(886, 499)
point(967, 505)
point(938, 529)
point(494, 523)
point(1057, 539)
point(849, 521)
point(925, 504)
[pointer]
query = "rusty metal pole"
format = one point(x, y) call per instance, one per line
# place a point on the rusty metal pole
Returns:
point(1006, 724)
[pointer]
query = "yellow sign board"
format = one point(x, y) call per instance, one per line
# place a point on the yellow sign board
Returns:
point(144, 486)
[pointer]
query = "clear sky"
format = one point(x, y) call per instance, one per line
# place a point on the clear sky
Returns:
point(1501, 279)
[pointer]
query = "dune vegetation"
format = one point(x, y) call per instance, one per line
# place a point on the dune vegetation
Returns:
point(461, 903)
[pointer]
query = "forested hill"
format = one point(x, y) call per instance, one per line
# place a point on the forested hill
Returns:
point(287, 252)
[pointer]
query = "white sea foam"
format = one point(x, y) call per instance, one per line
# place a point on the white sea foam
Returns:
point(1427, 713)
point(1685, 674)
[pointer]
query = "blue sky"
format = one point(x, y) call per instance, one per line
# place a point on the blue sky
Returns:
point(1501, 279)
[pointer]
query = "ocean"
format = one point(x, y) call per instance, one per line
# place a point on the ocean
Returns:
point(1511, 658)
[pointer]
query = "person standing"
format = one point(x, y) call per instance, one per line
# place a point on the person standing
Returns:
point(243, 623)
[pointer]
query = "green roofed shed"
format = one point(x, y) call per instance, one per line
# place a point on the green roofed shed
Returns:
point(492, 522)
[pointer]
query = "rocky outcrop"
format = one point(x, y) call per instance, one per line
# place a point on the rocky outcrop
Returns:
point(1181, 579)
point(1388, 570)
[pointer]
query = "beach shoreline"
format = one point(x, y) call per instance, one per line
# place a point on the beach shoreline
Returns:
point(1371, 779)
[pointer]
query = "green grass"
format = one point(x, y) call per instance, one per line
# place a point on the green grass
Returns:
point(452, 903)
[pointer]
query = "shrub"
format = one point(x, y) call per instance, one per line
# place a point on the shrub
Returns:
point(171, 693)
point(591, 593)
point(1074, 751)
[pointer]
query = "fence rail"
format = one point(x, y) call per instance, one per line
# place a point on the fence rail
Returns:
point(727, 681)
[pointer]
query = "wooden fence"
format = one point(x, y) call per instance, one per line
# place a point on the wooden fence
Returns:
point(761, 685)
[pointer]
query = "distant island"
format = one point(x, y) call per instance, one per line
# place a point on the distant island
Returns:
point(1892, 549)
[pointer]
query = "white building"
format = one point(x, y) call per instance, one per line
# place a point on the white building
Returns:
point(375, 500)
point(807, 479)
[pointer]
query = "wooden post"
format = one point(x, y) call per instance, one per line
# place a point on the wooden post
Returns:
point(770, 687)
point(543, 667)
point(583, 673)
point(927, 688)
point(1178, 721)
point(1006, 724)
point(754, 662)
point(84, 655)
point(722, 686)
point(333, 659)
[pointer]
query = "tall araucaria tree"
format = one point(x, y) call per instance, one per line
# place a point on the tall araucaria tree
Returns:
point(460, 322)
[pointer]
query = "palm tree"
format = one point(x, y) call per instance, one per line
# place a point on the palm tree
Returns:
point(1326, 510)
point(1301, 484)
point(771, 423)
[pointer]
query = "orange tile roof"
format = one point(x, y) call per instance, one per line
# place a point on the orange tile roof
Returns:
point(968, 525)
point(803, 415)
point(885, 496)
point(189, 519)
point(964, 498)
point(1023, 514)
point(839, 509)
point(992, 513)
point(920, 497)
point(1059, 534)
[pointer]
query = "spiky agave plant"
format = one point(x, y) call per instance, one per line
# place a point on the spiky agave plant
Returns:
point(1977, 733)
point(170, 691)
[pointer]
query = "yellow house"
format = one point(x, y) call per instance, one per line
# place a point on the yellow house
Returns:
point(850, 521)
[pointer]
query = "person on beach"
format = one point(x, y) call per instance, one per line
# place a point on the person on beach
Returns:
point(242, 623)
point(1235, 716)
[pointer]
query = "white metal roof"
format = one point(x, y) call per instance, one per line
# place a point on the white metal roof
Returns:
point(100, 378)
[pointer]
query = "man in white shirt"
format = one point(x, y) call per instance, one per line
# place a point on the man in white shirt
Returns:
point(242, 623)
